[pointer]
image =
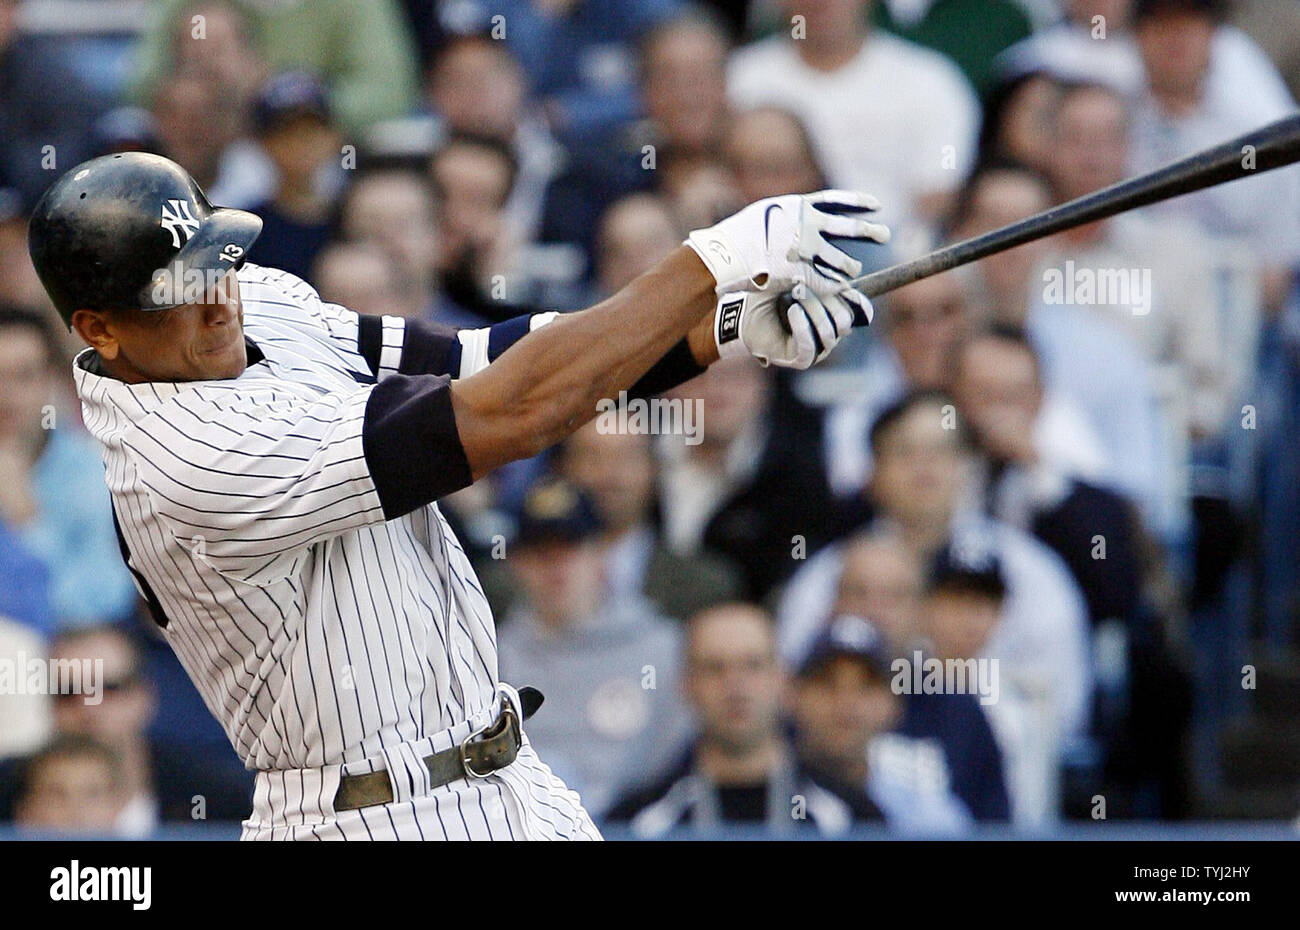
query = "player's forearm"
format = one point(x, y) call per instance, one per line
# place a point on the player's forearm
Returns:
point(547, 385)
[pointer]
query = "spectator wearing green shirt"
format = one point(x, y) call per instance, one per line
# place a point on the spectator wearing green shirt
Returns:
point(361, 48)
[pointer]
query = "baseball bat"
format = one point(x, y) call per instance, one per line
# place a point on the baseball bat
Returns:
point(1273, 146)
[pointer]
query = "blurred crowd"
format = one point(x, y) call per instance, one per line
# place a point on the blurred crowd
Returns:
point(1069, 469)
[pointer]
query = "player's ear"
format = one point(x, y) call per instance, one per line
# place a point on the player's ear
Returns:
point(97, 331)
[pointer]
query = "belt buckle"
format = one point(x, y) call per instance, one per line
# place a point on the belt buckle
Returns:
point(507, 713)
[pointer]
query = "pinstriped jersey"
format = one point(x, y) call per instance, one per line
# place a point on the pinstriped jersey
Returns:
point(320, 613)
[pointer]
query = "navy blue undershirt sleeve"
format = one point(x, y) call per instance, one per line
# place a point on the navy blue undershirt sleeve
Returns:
point(676, 367)
point(427, 348)
point(503, 335)
point(434, 349)
point(411, 445)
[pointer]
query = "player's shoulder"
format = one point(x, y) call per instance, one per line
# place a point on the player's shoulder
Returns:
point(260, 284)
point(274, 299)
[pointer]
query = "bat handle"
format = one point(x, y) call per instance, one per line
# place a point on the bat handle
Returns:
point(785, 302)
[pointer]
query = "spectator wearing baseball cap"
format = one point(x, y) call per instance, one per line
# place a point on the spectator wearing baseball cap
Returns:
point(606, 664)
point(964, 601)
point(947, 736)
point(741, 768)
point(291, 117)
point(919, 489)
point(844, 705)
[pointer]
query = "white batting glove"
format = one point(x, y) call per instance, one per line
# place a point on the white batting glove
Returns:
point(781, 241)
point(748, 323)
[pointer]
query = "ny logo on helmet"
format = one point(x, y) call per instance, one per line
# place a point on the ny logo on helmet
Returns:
point(177, 218)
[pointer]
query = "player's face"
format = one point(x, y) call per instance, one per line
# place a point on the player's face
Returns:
point(202, 341)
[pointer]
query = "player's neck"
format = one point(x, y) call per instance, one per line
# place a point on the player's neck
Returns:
point(121, 369)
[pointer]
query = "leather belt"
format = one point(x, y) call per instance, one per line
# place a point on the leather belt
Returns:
point(487, 749)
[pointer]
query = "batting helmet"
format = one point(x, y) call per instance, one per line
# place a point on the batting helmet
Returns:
point(109, 232)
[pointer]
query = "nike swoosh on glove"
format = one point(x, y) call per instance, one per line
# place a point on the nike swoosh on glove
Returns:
point(781, 241)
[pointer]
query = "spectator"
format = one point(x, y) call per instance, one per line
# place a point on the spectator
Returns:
point(18, 281)
point(46, 111)
point(831, 66)
point(699, 187)
point(919, 487)
point(1180, 113)
point(880, 579)
point(1017, 119)
point(125, 129)
point(964, 606)
point(683, 94)
point(117, 716)
point(1001, 192)
point(770, 152)
point(1173, 320)
point(844, 706)
point(606, 664)
point(999, 391)
point(1094, 43)
point(207, 138)
point(619, 472)
point(217, 39)
point(482, 254)
point(292, 119)
point(1086, 362)
point(684, 83)
point(160, 781)
point(476, 87)
point(578, 54)
point(942, 741)
point(396, 210)
point(737, 492)
point(923, 324)
point(75, 785)
point(363, 277)
point(24, 587)
point(970, 32)
point(1276, 28)
point(740, 768)
point(52, 493)
point(360, 47)
point(635, 233)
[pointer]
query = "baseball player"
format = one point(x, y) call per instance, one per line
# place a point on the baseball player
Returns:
point(274, 463)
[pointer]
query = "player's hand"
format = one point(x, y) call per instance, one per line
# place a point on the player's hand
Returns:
point(748, 323)
point(781, 241)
